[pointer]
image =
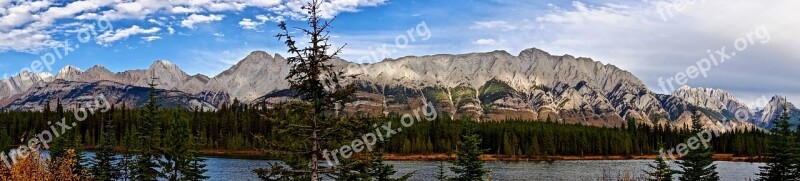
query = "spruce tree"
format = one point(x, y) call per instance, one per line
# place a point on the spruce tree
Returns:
point(175, 149)
point(197, 167)
point(380, 171)
point(58, 148)
point(697, 164)
point(321, 91)
point(440, 172)
point(68, 140)
point(5, 139)
point(104, 166)
point(127, 166)
point(469, 166)
point(370, 167)
point(661, 170)
point(780, 159)
point(147, 154)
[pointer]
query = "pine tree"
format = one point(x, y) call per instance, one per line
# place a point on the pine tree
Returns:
point(127, 166)
point(533, 149)
point(469, 166)
point(440, 172)
point(77, 147)
point(508, 148)
point(197, 167)
point(176, 149)
point(5, 139)
point(104, 164)
point(68, 140)
point(661, 170)
point(147, 155)
point(58, 148)
point(779, 161)
point(320, 89)
point(548, 145)
point(380, 171)
point(697, 164)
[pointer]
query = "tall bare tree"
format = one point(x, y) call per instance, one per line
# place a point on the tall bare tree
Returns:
point(312, 124)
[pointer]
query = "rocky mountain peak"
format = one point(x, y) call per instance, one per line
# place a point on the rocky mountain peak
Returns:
point(254, 76)
point(724, 105)
point(22, 82)
point(163, 64)
point(46, 76)
point(258, 55)
point(766, 116)
point(68, 71)
point(533, 53)
point(97, 68)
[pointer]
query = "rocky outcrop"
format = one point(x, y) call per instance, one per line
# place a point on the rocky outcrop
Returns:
point(11, 88)
point(722, 103)
point(254, 76)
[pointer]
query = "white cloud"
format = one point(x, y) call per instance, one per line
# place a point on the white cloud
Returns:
point(121, 34)
point(27, 26)
point(493, 25)
point(151, 38)
point(25, 40)
point(485, 42)
point(171, 30)
point(159, 23)
point(609, 13)
point(328, 9)
point(262, 18)
point(249, 24)
point(182, 9)
point(193, 19)
point(265, 3)
point(20, 14)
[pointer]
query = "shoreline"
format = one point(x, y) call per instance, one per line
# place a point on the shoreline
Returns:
point(257, 155)
point(252, 154)
point(493, 157)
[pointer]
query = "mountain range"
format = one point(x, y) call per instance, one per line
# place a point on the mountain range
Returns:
point(490, 86)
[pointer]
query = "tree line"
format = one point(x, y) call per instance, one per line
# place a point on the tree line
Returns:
point(547, 138)
point(240, 127)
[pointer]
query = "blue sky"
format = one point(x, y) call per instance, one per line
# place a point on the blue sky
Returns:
point(652, 39)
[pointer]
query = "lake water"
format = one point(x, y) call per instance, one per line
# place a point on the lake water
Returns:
point(239, 169)
point(230, 169)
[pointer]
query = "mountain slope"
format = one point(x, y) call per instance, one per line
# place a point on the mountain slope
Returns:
point(486, 86)
point(766, 116)
point(72, 94)
point(722, 103)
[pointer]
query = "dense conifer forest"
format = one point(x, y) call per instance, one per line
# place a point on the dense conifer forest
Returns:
point(240, 127)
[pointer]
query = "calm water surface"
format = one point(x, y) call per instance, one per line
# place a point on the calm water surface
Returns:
point(239, 169)
point(231, 169)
